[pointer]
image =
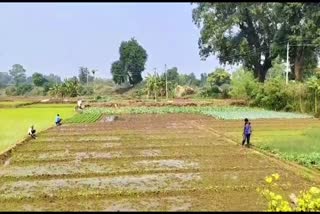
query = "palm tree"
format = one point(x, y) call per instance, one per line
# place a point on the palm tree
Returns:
point(72, 87)
point(56, 90)
point(93, 73)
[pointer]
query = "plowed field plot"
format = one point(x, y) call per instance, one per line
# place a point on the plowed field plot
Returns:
point(140, 162)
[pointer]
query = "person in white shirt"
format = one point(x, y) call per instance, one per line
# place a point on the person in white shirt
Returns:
point(32, 132)
point(80, 104)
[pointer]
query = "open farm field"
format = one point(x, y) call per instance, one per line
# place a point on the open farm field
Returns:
point(144, 162)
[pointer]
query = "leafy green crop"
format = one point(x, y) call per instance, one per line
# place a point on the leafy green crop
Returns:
point(86, 117)
point(228, 113)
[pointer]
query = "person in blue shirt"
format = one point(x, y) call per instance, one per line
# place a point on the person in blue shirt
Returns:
point(58, 120)
point(246, 132)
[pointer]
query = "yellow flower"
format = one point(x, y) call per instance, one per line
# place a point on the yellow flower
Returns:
point(269, 180)
point(276, 176)
point(278, 197)
point(314, 190)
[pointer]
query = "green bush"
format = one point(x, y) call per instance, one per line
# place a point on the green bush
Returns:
point(11, 91)
point(210, 91)
point(23, 89)
point(224, 91)
point(272, 95)
point(85, 90)
point(243, 85)
point(36, 91)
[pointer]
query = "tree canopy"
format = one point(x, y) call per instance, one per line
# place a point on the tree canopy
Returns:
point(18, 74)
point(219, 77)
point(5, 79)
point(84, 75)
point(254, 34)
point(38, 79)
point(130, 64)
point(299, 25)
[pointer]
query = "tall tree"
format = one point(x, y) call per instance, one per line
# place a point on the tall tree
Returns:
point(5, 79)
point(299, 25)
point(18, 74)
point(203, 79)
point(192, 80)
point(131, 63)
point(84, 75)
point(38, 79)
point(52, 78)
point(173, 75)
point(237, 33)
point(119, 75)
point(219, 77)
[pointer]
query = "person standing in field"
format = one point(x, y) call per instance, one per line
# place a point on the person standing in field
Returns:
point(32, 132)
point(247, 130)
point(79, 103)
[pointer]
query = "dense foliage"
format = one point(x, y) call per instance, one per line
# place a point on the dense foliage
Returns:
point(254, 34)
point(131, 63)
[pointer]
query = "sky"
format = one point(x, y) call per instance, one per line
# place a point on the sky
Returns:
point(60, 37)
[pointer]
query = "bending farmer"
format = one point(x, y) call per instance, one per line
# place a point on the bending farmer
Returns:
point(58, 120)
point(32, 132)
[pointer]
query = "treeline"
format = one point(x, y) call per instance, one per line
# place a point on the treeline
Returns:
point(273, 93)
point(15, 82)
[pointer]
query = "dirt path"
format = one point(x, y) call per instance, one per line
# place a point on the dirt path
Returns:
point(140, 162)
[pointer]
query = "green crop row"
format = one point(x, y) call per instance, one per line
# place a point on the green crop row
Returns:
point(86, 117)
point(311, 160)
point(227, 113)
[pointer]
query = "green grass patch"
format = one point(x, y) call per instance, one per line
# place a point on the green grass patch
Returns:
point(15, 122)
point(302, 147)
point(86, 117)
point(228, 113)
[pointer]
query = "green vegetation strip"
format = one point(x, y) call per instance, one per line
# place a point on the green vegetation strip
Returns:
point(86, 117)
point(227, 113)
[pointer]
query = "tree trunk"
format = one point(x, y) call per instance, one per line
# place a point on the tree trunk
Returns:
point(261, 72)
point(300, 104)
point(315, 102)
point(298, 64)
